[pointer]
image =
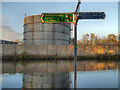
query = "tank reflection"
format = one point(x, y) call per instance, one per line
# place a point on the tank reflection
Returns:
point(46, 80)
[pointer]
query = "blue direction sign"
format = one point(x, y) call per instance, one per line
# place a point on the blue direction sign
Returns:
point(91, 15)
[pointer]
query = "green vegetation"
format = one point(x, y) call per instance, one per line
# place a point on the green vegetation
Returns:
point(27, 57)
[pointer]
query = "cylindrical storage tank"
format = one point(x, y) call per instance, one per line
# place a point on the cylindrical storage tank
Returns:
point(39, 33)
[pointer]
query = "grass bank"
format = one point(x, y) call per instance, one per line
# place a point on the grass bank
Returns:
point(24, 56)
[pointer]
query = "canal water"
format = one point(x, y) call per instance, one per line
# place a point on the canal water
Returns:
point(59, 74)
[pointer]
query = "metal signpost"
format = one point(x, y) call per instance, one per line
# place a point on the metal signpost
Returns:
point(68, 18)
point(77, 16)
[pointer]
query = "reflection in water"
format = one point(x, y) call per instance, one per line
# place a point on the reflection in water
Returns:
point(59, 74)
point(97, 79)
point(46, 80)
point(12, 80)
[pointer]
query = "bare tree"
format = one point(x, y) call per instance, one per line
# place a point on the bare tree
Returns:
point(92, 36)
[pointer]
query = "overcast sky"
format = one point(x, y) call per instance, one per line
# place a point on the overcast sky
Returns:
point(13, 15)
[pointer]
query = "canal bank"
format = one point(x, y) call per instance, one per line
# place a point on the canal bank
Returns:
point(58, 51)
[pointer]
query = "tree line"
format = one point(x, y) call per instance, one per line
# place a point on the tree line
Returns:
point(92, 39)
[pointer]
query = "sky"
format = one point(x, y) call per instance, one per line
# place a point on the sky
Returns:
point(59, 0)
point(13, 14)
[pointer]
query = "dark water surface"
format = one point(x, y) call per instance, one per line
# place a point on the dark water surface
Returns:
point(60, 74)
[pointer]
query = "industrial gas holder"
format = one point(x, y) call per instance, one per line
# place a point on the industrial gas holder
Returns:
point(38, 33)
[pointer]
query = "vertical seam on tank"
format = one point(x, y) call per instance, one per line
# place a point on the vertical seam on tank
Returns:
point(33, 32)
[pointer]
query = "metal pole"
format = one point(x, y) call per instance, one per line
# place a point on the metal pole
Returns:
point(75, 53)
point(75, 44)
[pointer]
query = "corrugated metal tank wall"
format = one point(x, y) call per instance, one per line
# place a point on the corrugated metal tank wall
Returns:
point(39, 33)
